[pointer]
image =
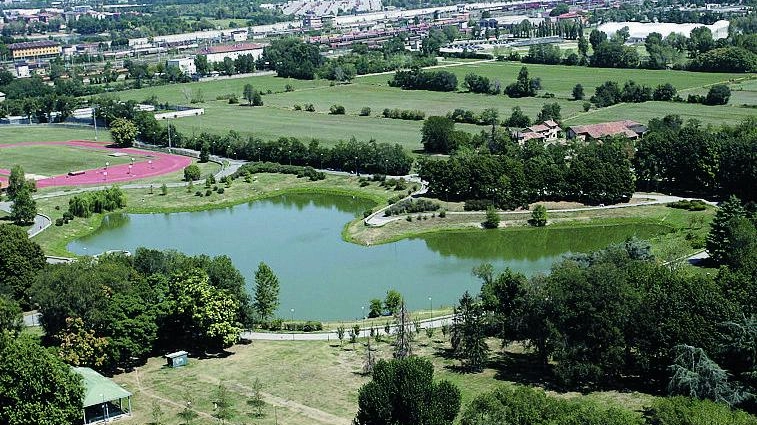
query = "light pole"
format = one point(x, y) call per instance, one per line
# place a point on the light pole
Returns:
point(356, 171)
point(290, 157)
point(431, 306)
point(292, 311)
point(130, 165)
point(106, 166)
point(362, 312)
point(94, 119)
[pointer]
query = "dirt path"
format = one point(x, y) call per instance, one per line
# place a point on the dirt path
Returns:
point(152, 395)
point(307, 411)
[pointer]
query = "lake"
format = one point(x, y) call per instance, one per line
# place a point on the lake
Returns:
point(324, 278)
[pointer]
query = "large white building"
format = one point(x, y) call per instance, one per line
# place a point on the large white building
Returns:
point(185, 65)
point(639, 31)
point(219, 53)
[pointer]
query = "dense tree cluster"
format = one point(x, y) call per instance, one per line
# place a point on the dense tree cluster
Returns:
point(692, 158)
point(22, 259)
point(416, 79)
point(291, 57)
point(113, 311)
point(594, 173)
point(97, 202)
point(363, 61)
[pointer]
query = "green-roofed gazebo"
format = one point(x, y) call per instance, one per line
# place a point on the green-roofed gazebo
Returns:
point(103, 398)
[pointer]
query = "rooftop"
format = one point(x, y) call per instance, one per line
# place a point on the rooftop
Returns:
point(232, 48)
point(33, 44)
point(98, 388)
point(608, 129)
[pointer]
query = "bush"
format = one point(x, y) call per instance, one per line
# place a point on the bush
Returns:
point(297, 107)
point(692, 205)
point(365, 111)
point(411, 206)
point(58, 221)
point(587, 106)
point(288, 88)
point(442, 213)
point(309, 107)
point(85, 204)
point(233, 100)
point(477, 204)
point(336, 110)
point(403, 114)
point(192, 172)
point(198, 193)
point(221, 190)
point(492, 218)
point(718, 95)
point(208, 192)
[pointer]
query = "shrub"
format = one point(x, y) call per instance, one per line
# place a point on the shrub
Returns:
point(198, 193)
point(365, 111)
point(208, 192)
point(718, 95)
point(297, 107)
point(221, 190)
point(309, 107)
point(336, 110)
point(411, 206)
point(288, 88)
point(692, 205)
point(164, 189)
point(587, 106)
point(492, 218)
point(442, 213)
point(233, 100)
point(477, 204)
point(58, 221)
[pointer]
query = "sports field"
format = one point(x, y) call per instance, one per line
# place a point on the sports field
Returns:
point(50, 133)
point(278, 117)
point(76, 163)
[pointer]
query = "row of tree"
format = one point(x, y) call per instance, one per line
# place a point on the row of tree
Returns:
point(592, 173)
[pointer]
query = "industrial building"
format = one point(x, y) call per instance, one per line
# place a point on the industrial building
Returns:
point(639, 31)
point(219, 53)
point(34, 49)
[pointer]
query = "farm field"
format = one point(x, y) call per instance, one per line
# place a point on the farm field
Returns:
point(277, 118)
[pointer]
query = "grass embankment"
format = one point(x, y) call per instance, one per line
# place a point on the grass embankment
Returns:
point(686, 228)
point(316, 382)
point(54, 239)
point(277, 118)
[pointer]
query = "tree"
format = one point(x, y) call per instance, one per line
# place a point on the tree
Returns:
point(192, 173)
point(80, 346)
point(583, 48)
point(492, 218)
point(257, 99)
point(549, 111)
point(291, 57)
point(518, 119)
point(392, 301)
point(36, 387)
point(719, 94)
point(205, 316)
point(695, 375)
point(468, 339)
point(403, 392)
point(10, 315)
point(204, 153)
point(123, 132)
point(16, 182)
point(201, 64)
point(741, 235)
point(718, 244)
point(402, 347)
point(559, 9)
point(523, 85)
point(606, 94)
point(187, 414)
point(538, 216)
point(248, 93)
point(664, 92)
point(224, 406)
point(266, 292)
point(596, 37)
point(438, 135)
point(24, 207)
point(21, 258)
point(578, 92)
point(375, 308)
point(255, 401)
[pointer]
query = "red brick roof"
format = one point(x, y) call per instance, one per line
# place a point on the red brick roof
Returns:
point(596, 131)
point(232, 48)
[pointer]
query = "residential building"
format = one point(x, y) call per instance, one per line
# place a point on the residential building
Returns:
point(34, 49)
point(217, 54)
point(630, 129)
point(185, 65)
point(548, 131)
point(239, 35)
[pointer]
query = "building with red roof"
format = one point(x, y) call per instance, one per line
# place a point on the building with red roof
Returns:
point(630, 129)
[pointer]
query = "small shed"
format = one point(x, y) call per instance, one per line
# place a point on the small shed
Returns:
point(103, 398)
point(176, 359)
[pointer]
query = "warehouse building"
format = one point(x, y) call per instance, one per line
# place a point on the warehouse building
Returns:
point(34, 49)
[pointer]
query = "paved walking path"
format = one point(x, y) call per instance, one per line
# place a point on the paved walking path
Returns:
point(331, 335)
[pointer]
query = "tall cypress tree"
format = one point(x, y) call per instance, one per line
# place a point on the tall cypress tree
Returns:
point(717, 239)
point(266, 291)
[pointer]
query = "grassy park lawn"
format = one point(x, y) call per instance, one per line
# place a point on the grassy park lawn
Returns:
point(669, 243)
point(50, 160)
point(277, 118)
point(50, 133)
point(316, 382)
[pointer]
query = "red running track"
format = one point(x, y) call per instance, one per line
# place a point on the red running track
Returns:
point(156, 165)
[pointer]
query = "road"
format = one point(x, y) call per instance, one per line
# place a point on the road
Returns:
point(41, 221)
point(332, 335)
point(377, 219)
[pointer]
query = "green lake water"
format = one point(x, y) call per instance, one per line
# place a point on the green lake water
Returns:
point(324, 278)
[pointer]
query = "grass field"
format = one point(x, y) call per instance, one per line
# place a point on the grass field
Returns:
point(317, 382)
point(50, 160)
point(49, 133)
point(277, 118)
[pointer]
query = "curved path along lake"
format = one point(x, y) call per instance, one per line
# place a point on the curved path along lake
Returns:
point(324, 278)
